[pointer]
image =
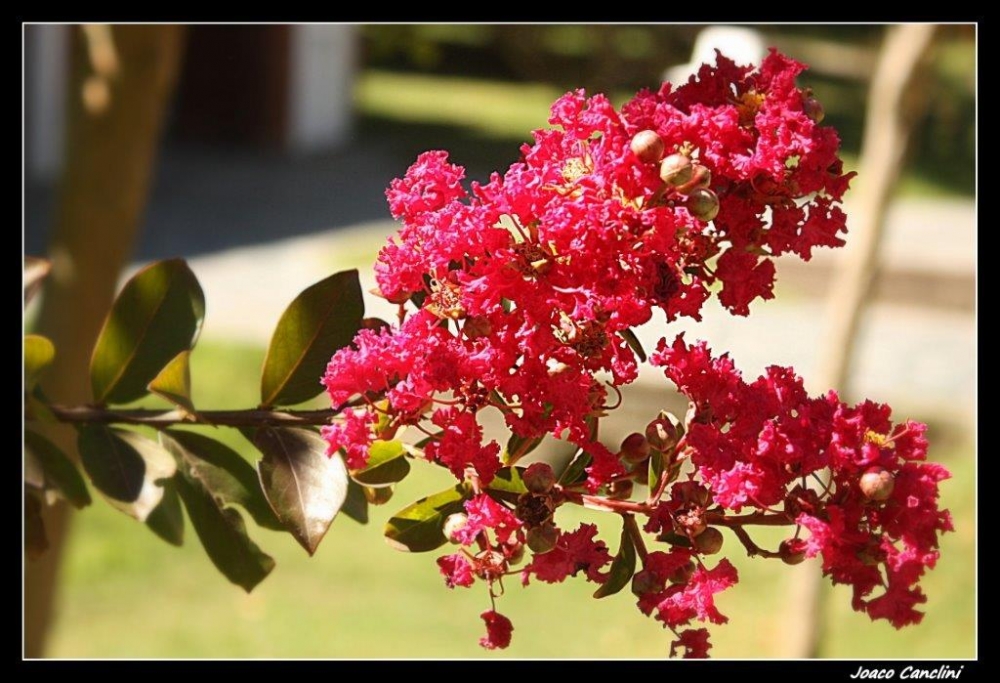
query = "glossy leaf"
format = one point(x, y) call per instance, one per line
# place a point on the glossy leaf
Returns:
point(320, 320)
point(655, 470)
point(576, 471)
point(38, 355)
point(622, 568)
point(35, 270)
point(157, 315)
point(387, 465)
point(167, 520)
point(518, 447)
point(174, 381)
point(633, 341)
point(507, 484)
point(125, 466)
point(223, 534)
point(418, 527)
point(36, 541)
point(356, 504)
point(230, 478)
point(305, 487)
point(59, 474)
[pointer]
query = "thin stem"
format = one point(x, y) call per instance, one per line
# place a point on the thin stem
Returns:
point(607, 504)
point(753, 549)
point(167, 418)
point(755, 518)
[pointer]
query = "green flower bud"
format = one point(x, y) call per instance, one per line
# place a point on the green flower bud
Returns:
point(675, 170)
point(703, 204)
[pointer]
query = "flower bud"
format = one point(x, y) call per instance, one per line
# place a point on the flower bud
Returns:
point(812, 108)
point(664, 432)
point(490, 564)
point(539, 478)
point(801, 499)
point(683, 573)
point(542, 539)
point(690, 523)
point(514, 552)
point(634, 448)
point(700, 177)
point(477, 326)
point(877, 484)
point(534, 510)
point(703, 204)
point(792, 550)
point(675, 170)
point(645, 582)
point(378, 496)
point(692, 493)
point(709, 541)
point(453, 524)
point(647, 146)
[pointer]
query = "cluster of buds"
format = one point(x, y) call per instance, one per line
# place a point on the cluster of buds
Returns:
point(685, 181)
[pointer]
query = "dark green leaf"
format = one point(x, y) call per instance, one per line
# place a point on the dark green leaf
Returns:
point(518, 447)
point(125, 466)
point(655, 470)
point(230, 478)
point(507, 484)
point(321, 319)
point(223, 534)
point(417, 527)
point(305, 487)
point(167, 520)
point(387, 465)
point(36, 542)
point(633, 341)
point(622, 568)
point(157, 315)
point(174, 382)
point(38, 355)
point(35, 270)
point(674, 539)
point(576, 471)
point(356, 504)
point(58, 471)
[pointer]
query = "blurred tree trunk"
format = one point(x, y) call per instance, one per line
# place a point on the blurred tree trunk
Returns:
point(894, 105)
point(121, 81)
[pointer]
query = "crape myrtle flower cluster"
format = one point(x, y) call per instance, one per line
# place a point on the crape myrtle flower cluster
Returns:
point(520, 295)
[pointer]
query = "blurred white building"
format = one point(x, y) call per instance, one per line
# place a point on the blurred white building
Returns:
point(280, 86)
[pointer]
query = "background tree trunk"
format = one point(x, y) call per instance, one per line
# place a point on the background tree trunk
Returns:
point(893, 107)
point(121, 81)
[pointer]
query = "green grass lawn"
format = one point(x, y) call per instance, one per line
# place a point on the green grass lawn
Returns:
point(125, 593)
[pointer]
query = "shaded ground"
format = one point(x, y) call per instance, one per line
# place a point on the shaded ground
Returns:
point(206, 199)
